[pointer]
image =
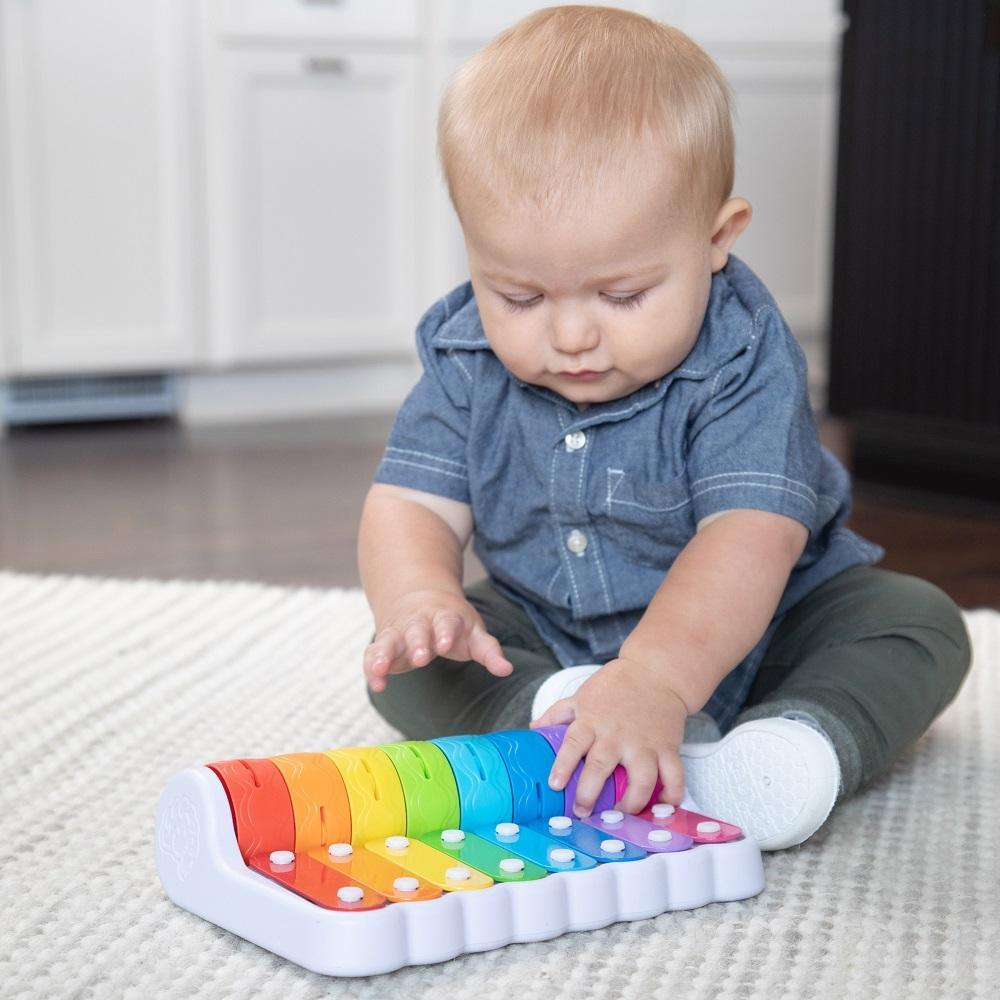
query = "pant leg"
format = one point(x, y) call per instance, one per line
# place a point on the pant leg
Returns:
point(454, 697)
point(874, 656)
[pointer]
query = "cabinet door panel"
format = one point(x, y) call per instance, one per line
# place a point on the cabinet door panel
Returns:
point(100, 178)
point(313, 200)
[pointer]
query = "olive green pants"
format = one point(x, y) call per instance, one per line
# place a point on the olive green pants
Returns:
point(872, 655)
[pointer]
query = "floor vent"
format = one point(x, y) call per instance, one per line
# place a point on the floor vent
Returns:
point(65, 399)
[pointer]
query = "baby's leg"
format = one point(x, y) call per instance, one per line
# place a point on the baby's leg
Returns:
point(874, 657)
point(452, 697)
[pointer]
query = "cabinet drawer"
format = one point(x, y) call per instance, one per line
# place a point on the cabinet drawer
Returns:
point(321, 19)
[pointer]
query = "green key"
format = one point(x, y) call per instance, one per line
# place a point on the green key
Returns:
point(428, 784)
point(480, 854)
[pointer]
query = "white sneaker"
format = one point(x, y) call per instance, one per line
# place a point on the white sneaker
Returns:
point(561, 684)
point(777, 779)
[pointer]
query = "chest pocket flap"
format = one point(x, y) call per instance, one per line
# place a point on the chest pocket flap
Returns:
point(650, 521)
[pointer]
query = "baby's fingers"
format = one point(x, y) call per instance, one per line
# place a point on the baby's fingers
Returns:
point(672, 776)
point(418, 643)
point(559, 714)
point(380, 656)
point(447, 628)
point(642, 775)
point(600, 762)
point(485, 649)
point(577, 741)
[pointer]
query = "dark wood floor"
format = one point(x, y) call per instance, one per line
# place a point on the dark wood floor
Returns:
point(280, 503)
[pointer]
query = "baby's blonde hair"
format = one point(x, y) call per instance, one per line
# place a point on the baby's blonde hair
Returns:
point(566, 98)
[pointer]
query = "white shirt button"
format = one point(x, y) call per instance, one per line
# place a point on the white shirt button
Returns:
point(575, 440)
point(576, 541)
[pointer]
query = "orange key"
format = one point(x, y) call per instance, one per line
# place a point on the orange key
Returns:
point(319, 800)
point(393, 881)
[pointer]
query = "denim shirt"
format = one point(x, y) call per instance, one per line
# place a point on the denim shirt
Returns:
point(578, 514)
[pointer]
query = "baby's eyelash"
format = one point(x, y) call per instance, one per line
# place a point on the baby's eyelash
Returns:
point(629, 302)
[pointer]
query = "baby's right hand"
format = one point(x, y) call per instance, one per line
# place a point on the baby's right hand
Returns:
point(430, 623)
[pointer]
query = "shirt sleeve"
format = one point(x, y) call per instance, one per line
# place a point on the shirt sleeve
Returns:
point(753, 442)
point(426, 445)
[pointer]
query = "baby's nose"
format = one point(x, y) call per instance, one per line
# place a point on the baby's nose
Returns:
point(575, 334)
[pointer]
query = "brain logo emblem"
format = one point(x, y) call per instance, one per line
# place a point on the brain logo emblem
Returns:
point(178, 839)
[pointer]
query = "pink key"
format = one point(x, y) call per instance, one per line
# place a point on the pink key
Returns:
point(712, 831)
point(620, 778)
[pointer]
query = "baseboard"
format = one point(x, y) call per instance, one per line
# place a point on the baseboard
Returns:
point(936, 455)
point(295, 393)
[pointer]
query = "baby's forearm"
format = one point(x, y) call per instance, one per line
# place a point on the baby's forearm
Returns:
point(716, 601)
point(404, 547)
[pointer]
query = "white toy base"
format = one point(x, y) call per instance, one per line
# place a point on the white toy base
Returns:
point(202, 870)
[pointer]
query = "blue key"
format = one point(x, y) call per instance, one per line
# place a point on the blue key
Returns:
point(528, 758)
point(536, 847)
point(586, 839)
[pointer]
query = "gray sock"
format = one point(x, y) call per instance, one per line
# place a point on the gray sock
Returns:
point(825, 722)
point(516, 711)
point(701, 728)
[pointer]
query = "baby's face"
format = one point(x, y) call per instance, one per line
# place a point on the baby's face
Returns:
point(615, 289)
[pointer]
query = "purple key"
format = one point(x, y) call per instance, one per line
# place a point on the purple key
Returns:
point(638, 831)
point(606, 798)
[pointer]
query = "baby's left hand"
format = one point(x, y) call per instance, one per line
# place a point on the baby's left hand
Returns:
point(623, 714)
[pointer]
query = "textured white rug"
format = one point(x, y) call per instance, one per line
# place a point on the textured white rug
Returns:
point(108, 687)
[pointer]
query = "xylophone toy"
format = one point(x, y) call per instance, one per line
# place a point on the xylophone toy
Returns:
point(362, 860)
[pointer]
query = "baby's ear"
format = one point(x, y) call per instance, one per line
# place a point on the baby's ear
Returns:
point(731, 220)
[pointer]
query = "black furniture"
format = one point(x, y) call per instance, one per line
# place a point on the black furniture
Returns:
point(915, 321)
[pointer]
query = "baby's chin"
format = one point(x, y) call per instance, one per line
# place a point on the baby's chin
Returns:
point(613, 385)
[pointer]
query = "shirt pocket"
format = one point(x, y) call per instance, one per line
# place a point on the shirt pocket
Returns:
point(649, 521)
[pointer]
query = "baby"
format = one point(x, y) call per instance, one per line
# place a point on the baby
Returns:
point(614, 409)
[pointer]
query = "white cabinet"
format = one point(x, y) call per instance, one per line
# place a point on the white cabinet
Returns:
point(312, 19)
point(312, 202)
point(99, 179)
point(479, 20)
point(220, 185)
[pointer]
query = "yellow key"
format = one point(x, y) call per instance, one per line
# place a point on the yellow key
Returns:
point(373, 790)
point(433, 866)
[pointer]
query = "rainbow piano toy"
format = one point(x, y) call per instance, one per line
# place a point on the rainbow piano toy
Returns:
point(362, 860)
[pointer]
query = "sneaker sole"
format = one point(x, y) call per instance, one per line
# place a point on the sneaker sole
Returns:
point(776, 779)
point(561, 685)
